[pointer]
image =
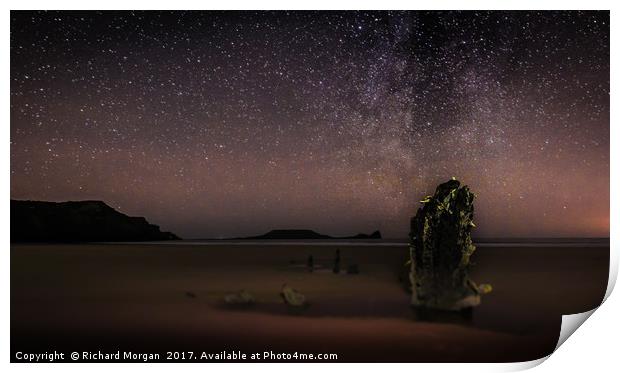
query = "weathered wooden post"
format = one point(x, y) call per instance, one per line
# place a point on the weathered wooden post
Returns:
point(440, 248)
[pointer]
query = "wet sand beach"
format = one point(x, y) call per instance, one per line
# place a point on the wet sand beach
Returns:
point(169, 297)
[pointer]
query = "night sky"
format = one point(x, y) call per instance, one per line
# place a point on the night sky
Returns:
point(219, 124)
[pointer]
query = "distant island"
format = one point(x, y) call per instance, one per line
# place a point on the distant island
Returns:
point(78, 221)
point(306, 234)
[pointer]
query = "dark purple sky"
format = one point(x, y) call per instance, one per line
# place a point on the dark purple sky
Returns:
point(234, 123)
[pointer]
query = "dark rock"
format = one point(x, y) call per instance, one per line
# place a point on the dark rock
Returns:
point(78, 221)
point(289, 234)
point(376, 235)
point(440, 248)
point(293, 297)
point(306, 234)
point(240, 298)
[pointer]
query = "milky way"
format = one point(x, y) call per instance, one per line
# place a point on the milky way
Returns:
point(215, 124)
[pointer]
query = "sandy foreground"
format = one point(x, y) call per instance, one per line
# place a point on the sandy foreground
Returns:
point(159, 298)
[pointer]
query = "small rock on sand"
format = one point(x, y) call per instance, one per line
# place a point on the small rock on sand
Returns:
point(242, 297)
point(293, 297)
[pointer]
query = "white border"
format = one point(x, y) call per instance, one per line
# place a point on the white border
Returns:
point(593, 347)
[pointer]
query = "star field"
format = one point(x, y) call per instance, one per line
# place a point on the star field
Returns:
point(219, 124)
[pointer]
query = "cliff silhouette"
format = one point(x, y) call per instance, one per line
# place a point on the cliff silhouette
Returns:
point(306, 234)
point(78, 221)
